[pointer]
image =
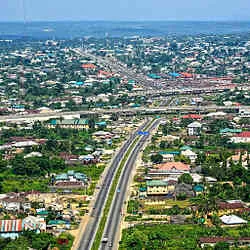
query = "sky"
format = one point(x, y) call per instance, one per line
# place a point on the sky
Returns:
point(125, 10)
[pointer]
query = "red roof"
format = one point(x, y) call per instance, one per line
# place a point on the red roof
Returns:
point(173, 166)
point(88, 66)
point(245, 134)
point(226, 205)
point(101, 72)
point(221, 239)
point(192, 116)
point(186, 75)
point(10, 226)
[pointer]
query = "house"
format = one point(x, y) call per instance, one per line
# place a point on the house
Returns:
point(189, 154)
point(158, 187)
point(229, 131)
point(142, 192)
point(232, 220)
point(168, 157)
point(230, 207)
point(194, 129)
point(239, 158)
point(10, 228)
point(71, 180)
point(33, 154)
point(33, 223)
point(69, 123)
point(212, 241)
point(183, 188)
point(192, 116)
point(198, 189)
point(88, 66)
point(197, 178)
point(58, 225)
point(243, 137)
point(15, 202)
point(82, 159)
point(173, 169)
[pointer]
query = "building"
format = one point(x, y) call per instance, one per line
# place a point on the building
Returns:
point(168, 157)
point(184, 189)
point(243, 137)
point(33, 223)
point(192, 156)
point(229, 131)
point(239, 158)
point(13, 228)
point(168, 169)
point(198, 189)
point(212, 241)
point(231, 207)
point(10, 228)
point(71, 180)
point(15, 202)
point(232, 220)
point(194, 129)
point(192, 116)
point(158, 187)
point(69, 123)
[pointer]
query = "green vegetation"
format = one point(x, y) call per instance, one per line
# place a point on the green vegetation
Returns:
point(100, 230)
point(172, 237)
point(40, 241)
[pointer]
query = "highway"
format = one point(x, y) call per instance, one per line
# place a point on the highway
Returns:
point(112, 226)
point(121, 111)
point(88, 235)
point(117, 67)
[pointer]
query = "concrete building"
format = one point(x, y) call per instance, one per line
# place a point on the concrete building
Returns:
point(194, 129)
point(157, 187)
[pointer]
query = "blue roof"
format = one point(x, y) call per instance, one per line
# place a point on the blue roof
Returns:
point(174, 74)
point(103, 123)
point(199, 188)
point(154, 76)
point(79, 83)
point(169, 152)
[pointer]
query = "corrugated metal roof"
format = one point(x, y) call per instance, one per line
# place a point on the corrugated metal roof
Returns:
point(11, 226)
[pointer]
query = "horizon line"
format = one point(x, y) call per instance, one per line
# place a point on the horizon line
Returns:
point(99, 20)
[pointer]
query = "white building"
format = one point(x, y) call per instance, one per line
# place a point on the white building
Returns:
point(189, 154)
point(194, 128)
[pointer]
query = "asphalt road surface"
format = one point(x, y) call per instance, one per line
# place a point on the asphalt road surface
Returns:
point(92, 226)
point(112, 226)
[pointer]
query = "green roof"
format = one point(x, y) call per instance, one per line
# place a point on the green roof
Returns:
point(230, 130)
point(65, 176)
point(69, 122)
point(169, 152)
point(43, 212)
point(199, 188)
point(185, 148)
point(103, 123)
point(56, 222)
point(156, 183)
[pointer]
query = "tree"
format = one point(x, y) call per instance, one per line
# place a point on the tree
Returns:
point(157, 158)
point(91, 123)
point(114, 116)
point(221, 246)
point(20, 243)
point(185, 178)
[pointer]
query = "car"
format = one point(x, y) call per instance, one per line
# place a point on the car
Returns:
point(105, 239)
